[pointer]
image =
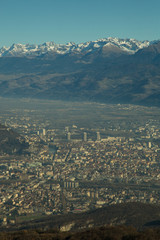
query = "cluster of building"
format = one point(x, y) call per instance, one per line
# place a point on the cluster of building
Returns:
point(76, 169)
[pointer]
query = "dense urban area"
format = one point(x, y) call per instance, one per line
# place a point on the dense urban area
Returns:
point(75, 165)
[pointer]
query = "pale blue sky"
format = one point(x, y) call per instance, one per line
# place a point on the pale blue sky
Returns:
point(62, 21)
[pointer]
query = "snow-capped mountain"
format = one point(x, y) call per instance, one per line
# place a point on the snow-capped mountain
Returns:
point(108, 70)
point(127, 45)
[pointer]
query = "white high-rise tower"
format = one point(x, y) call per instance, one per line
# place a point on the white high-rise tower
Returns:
point(69, 136)
point(98, 136)
point(85, 136)
point(44, 132)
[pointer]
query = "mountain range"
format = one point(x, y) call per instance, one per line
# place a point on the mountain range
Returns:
point(109, 70)
point(19, 50)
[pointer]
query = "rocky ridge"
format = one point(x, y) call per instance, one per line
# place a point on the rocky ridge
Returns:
point(19, 50)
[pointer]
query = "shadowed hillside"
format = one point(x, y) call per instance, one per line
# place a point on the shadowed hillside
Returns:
point(11, 142)
point(138, 215)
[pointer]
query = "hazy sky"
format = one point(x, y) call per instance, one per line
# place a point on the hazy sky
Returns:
point(62, 21)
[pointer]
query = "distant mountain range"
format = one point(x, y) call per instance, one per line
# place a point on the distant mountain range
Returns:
point(19, 50)
point(108, 70)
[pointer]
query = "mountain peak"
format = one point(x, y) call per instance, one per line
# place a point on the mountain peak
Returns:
point(24, 50)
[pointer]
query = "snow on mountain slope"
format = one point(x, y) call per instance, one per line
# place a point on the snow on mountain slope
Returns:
point(19, 50)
